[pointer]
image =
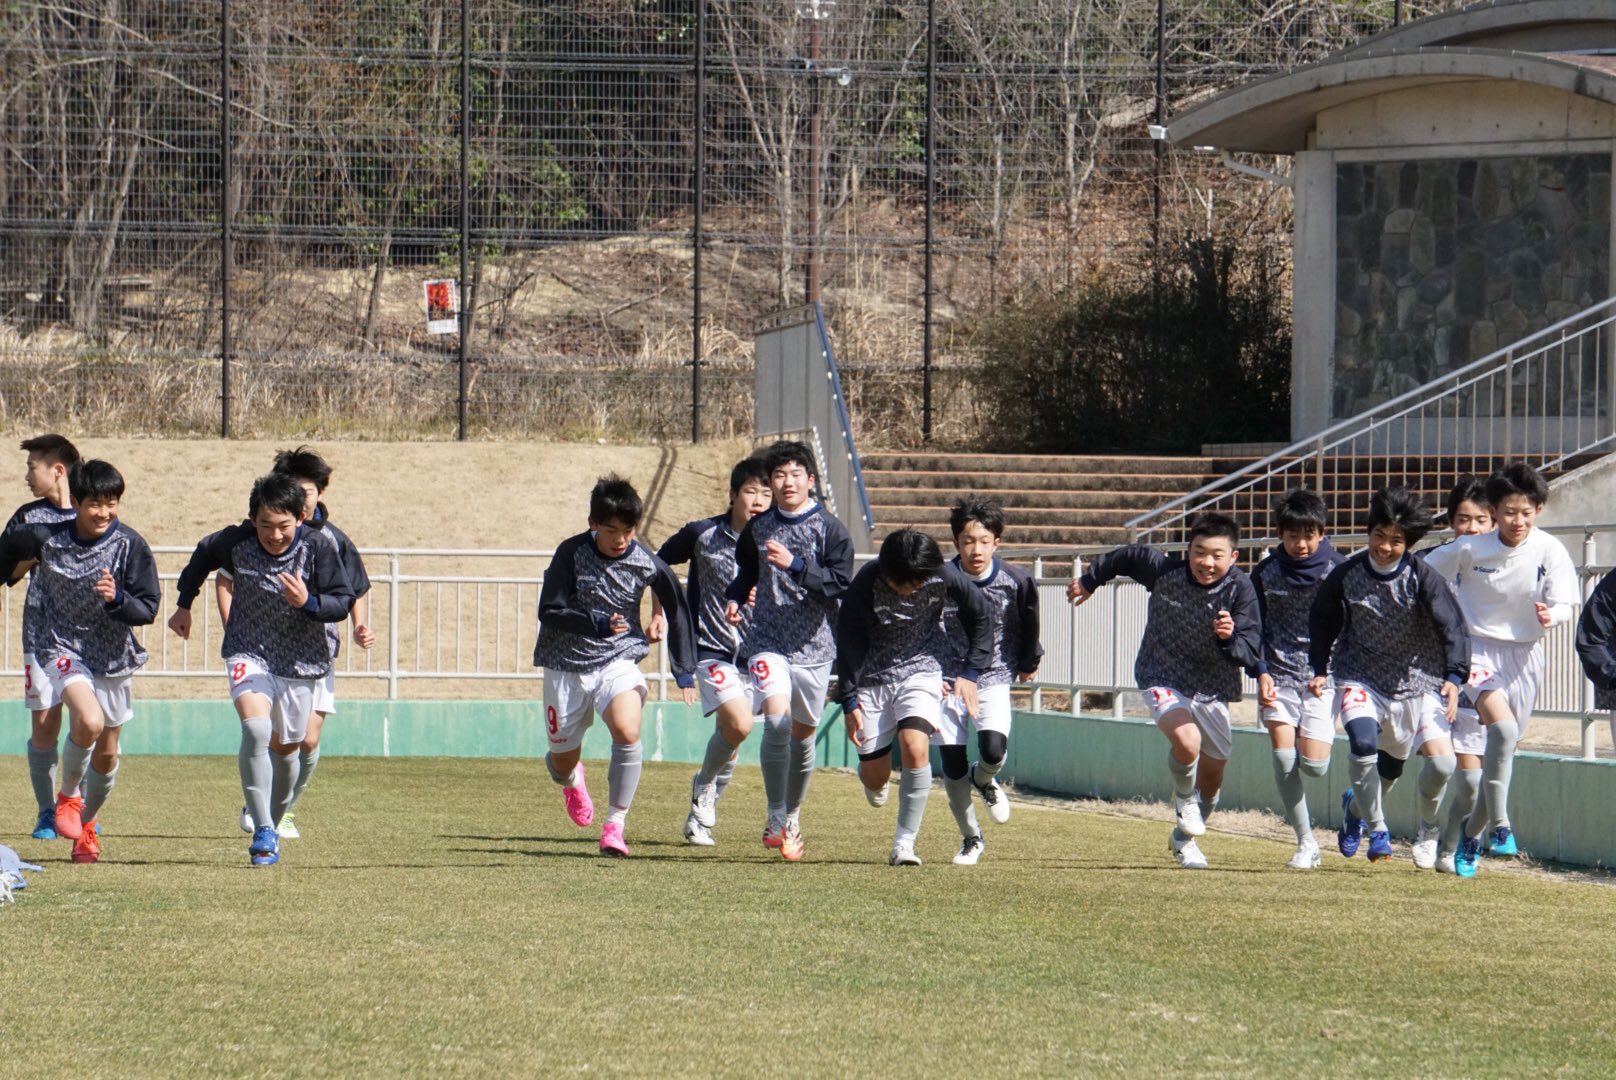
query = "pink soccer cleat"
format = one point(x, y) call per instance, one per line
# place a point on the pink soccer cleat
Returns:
point(580, 807)
point(774, 833)
point(611, 841)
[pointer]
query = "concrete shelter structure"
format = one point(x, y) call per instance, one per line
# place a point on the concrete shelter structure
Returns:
point(1453, 194)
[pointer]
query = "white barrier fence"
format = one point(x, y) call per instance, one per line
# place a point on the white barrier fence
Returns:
point(465, 616)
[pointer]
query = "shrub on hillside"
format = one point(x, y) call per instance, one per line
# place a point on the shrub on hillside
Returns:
point(1200, 354)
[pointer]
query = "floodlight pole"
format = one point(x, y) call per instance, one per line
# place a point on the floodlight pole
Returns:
point(698, 237)
point(226, 239)
point(465, 212)
point(931, 202)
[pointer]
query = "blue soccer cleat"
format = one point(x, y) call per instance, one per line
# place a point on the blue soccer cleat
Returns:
point(265, 848)
point(1351, 832)
point(45, 825)
point(1466, 858)
point(1380, 845)
point(1503, 842)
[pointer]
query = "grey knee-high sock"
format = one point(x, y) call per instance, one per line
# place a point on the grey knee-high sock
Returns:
point(1183, 776)
point(986, 770)
point(568, 779)
point(1467, 785)
point(306, 761)
point(253, 762)
point(97, 786)
point(75, 759)
point(717, 756)
point(803, 753)
point(284, 772)
point(42, 774)
point(1434, 777)
point(622, 780)
point(1207, 806)
point(774, 755)
point(959, 801)
point(1314, 767)
point(725, 775)
point(914, 786)
point(1366, 802)
point(1497, 768)
point(1291, 795)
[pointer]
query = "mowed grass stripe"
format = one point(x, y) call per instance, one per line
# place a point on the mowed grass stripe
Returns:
point(442, 917)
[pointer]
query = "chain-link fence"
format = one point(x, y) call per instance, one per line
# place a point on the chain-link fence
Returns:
point(170, 265)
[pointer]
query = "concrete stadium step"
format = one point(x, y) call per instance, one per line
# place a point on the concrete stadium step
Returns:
point(961, 482)
point(1034, 463)
point(1026, 539)
point(1024, 499)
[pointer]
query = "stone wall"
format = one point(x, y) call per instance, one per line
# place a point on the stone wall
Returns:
point(1440, 262)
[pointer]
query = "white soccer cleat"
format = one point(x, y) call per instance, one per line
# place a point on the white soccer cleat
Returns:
point(997, 801)
point(903, 854)
point(970, 852)
point(1444, 863)
point(696, 833)
point(1307, 856)
point(1188, 813)
point(876, 797)
point(246, 821)
point(287, 829)
point(1425, 847)
point(1188, 855)
point(702, 799)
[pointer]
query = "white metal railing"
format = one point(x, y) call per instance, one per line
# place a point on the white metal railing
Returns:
point(1546, 399)
point(1091, 648)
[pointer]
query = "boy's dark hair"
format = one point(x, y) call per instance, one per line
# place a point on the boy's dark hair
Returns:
point(52, 448)
point(277, 491)
point(909, 557)
point(304, 464)
point(1301, 508)
point(1213, 526)
point(1468, 489)
point(785, 453)
point(1403, 509)
point(985, 512)
point(614, 499)
point(1517, 478)
point(94, 479)
point(748, 468)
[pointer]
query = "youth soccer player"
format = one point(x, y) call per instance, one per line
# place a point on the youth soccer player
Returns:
point(1513, 584)
point(50, 458)
point(590, 645)
point(1596, 645)
point(799, 559)
point(1012, 598)
point(312, 472)
point(1300, 725)
point(288, 584)
point(1202, 626)
point(708, 545)
point(890, 646)
point(1389, 629)
point(1468, 515)
point(96, 580)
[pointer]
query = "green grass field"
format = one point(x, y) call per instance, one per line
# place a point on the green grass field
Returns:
point(442, 917)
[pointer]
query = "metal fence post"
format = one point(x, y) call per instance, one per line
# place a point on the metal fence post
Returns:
point(226, 240)
point(1590, 558)
point(699, 196)
point(465, 215)
point(394, 595)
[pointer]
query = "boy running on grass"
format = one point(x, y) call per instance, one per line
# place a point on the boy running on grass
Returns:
point(1012, 598)
point(1202, 627)
point(1388, 627)
point(708, 545)
point(50, 457)
point(796, 560)
point(590, 647)
point(890, 645)
point(96, 580)
point(310, 470)
point(288, 584)
point(1514, 584)
point(1300, 725)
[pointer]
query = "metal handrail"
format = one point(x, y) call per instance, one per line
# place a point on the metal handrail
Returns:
point(1363, 427)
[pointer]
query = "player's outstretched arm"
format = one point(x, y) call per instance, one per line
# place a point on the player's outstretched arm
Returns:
point(1141, 562)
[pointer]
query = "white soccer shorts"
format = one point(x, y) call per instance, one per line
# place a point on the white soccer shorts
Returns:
point(1513, 668)
point(993, 714)
point(111, 692)
point(572, 698)
point(1313, 717)
point(885, 705)
point(290, 700)
point(775, 676)
point(1212, 717)
point(325, 694)
point(721, 682)
point(36, 686)
point(1405, 725)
